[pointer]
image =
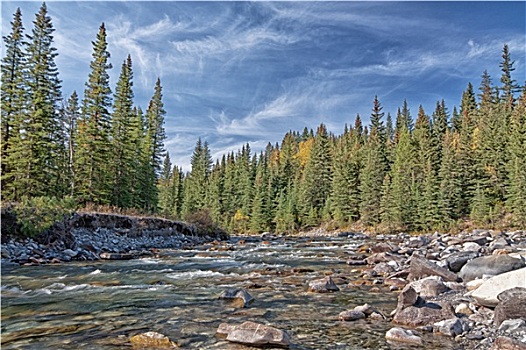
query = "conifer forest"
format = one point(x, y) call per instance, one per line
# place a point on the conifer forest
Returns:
point(406, 170)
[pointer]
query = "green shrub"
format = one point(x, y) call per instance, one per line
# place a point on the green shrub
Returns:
point(37, 214)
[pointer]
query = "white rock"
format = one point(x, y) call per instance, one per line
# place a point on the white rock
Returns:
point(488, 291)
point(403, 336)
point(463, 308)
point(471, 246)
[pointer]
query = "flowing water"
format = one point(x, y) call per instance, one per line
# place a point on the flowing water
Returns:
point(99, 305)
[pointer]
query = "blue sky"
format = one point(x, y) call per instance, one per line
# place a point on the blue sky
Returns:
point(237, 72)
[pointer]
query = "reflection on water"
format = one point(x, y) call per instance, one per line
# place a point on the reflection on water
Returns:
point(99, 305)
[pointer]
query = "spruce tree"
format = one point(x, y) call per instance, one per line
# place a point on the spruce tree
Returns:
point(123, 152)
point(71, 116)
point(154, 146)
point(13, 103)
point(374, 168)
point(166, 200)
point(93, 176)
point(259, 218)
point(197, 180)
point(38, 152)
point(516, 196)
point(509, 85)
point(400, 206)
point(315, 185)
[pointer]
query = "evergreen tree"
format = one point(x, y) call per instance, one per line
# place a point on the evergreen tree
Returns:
point(166, 200)
point(374, 169)
point(38, 151)
point(13, 103)
point(93, 176)
point(509, 85)
point(316, 181)
point(259, 218)
point(72, 115)
point(450, 188)
point(399, 206)
point(122, 149)
point(214, 200)
point(516, 197)
point(425, 184)
point(154, 145)
point(197, 180)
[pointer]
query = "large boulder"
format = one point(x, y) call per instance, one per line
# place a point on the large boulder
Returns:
point(254, 334)
point(489, 265)
point(488, 291)
point(324, 285)
point(511, 305)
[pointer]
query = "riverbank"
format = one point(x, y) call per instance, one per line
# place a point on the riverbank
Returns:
point(94, 236)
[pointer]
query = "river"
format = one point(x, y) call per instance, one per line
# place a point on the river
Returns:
point(99, 305)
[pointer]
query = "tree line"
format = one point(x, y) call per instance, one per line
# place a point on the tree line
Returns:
point(408, 173)
point(437, 171)
point(97, 148)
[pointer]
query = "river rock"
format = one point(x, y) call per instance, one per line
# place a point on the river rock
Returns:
point(115, 256)
point(407, 297)
point(512, 305)
point(403, 336)
point(324, 285)
point(430, 286)
point(254, 334)
point(456, 260)
point(507, 343)
point(383, 247)
point(451, 327)
point(512, 325)
point(421, 267)
point(489, 265)
point(239, 296)
point(351, 315)
point(424, 315)
point(488, 291)
point(463, 309)
point(70, 253)
point(150, 340)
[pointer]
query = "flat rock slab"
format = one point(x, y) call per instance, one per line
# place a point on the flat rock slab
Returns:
point(421, 267)
point(489, 290)
point(254, 334)
point(489, 265)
